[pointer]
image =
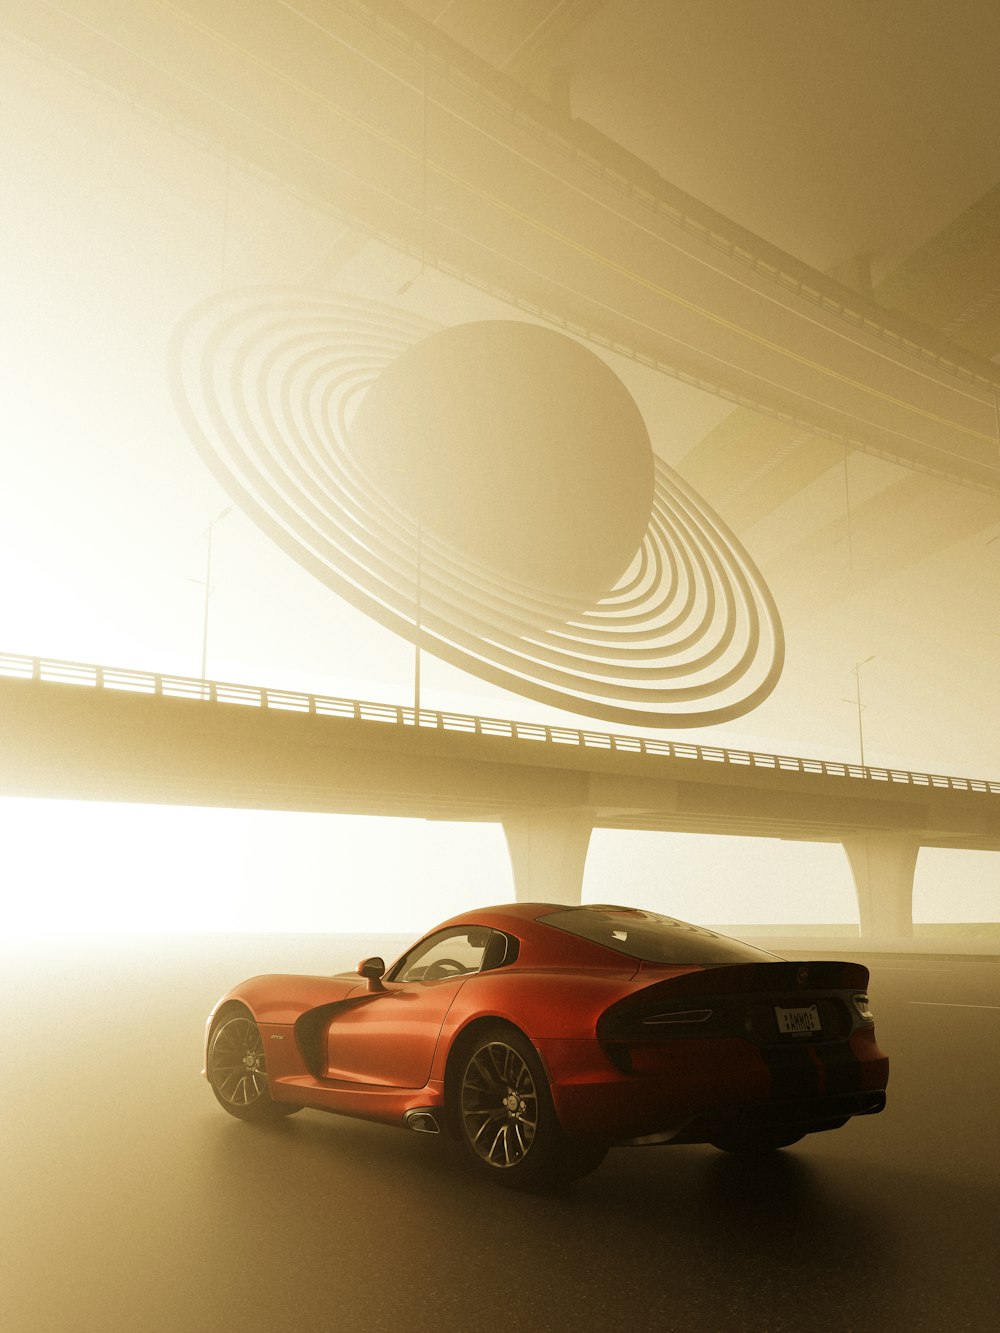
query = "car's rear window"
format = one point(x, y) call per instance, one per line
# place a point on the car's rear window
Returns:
point(652, 938)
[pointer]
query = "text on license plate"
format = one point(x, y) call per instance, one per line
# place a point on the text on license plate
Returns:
point(803, 1019)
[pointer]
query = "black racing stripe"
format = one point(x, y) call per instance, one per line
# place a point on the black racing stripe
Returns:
point(310, 1029)
point(793, 1071)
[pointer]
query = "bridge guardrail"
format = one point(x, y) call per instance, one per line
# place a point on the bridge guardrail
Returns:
point(57, 671)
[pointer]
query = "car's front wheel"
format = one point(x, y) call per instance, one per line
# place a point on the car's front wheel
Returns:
point(236, 1070)
point(506, 1118)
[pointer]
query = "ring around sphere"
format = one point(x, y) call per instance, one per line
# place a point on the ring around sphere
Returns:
point(267, 382)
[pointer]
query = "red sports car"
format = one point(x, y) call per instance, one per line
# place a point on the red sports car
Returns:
point(541, 1035)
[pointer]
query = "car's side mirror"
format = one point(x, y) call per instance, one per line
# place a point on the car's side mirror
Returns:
point(373, 970)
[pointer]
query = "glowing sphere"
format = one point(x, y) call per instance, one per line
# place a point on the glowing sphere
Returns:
point(517, 446)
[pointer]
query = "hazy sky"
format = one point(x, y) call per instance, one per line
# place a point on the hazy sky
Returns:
point(113, 228)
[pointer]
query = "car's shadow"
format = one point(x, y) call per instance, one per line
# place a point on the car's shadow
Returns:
point(754, 1198)
point(806, 1226)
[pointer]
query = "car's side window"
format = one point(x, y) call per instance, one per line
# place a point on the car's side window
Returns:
point(449, 953)
point(501, 950)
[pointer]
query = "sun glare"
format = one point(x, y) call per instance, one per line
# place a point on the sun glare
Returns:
point(92, 868)
point(101, 868)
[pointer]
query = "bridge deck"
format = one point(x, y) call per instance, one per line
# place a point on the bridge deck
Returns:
point(77, 729)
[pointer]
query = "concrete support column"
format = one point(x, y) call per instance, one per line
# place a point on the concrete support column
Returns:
point(548, 850)
point(883, 865)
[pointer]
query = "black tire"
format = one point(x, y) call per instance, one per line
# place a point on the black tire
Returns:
point(504, 1113)
point(236, 1070)
point(758, 1140)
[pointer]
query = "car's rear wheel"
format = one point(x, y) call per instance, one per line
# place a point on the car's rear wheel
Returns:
point(506, 1118)
point(236, 1070)
point(758, 1140)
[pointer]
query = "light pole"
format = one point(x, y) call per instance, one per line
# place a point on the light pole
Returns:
point(417, 475)
point(208, 586)
point(996, 538)
point(857, 682)
point(419, 608)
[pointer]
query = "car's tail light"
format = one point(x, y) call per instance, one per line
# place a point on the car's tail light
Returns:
point(677, 1016)
point(635, 1038)
point(861, 1004)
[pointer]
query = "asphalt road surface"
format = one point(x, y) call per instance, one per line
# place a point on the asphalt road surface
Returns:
point(130, 1201)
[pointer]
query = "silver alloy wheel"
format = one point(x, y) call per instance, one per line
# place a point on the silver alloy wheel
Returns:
point(499, 1105)
point(237, 1063)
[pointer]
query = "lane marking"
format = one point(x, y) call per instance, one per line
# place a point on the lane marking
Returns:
point(950, 1004)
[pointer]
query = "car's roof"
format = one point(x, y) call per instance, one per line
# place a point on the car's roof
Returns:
point(540, 945)
point(500, 912)
point(606, 935)
point(529, 911)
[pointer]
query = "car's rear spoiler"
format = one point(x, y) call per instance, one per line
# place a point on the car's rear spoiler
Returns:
point(707, 1002)
point(744, 978)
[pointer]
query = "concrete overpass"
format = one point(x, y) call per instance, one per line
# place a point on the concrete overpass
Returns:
point(377, 116)
point(72, 730)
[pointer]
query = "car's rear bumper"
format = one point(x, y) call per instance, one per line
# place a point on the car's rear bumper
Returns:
point(807, 1114)
point(689, 1091)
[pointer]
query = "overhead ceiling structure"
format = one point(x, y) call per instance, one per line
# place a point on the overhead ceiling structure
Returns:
point(797, 215)
point(862, 142)
point(392, 125)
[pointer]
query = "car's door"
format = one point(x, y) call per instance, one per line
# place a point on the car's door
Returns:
point(390, 1038)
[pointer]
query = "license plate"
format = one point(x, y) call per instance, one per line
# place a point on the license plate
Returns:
point(803, 1019)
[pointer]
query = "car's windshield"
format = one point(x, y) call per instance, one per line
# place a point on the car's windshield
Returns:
point(652, 938)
